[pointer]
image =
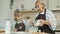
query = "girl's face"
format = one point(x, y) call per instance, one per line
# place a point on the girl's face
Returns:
point(18, 16)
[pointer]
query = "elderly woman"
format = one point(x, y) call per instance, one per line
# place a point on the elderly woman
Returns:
point(47, 22)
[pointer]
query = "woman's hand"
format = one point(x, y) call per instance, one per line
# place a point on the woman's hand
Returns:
point(44, 22)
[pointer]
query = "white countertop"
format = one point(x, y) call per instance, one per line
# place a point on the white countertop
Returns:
point(21, 33)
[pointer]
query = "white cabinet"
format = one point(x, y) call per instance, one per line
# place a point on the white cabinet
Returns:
point(28, 4)
point(54, 4)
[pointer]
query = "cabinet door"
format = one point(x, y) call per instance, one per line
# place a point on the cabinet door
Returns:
point(29, 4)
point(54, 4)
point(57, 3)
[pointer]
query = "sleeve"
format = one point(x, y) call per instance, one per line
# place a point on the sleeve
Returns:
point(51, 18)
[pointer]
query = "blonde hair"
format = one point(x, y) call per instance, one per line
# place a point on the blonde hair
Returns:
point(39, 1)
point(17, 13)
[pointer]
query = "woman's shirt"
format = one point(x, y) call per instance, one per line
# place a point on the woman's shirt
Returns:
point(50, 17)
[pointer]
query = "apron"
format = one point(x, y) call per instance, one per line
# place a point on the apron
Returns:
point(45, 28)
point(20, 26)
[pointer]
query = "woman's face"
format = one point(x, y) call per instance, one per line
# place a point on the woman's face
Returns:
point(39, 6)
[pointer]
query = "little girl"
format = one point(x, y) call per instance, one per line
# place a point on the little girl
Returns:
point(19, 26)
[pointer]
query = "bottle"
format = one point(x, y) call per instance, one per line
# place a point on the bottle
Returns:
point(7, 27)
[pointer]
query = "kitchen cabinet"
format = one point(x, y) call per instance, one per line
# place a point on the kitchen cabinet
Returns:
point(28, 33)
point(54, 4)
point(2, 31)
point(28, 4)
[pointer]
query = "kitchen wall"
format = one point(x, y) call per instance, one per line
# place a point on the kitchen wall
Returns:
point(4, 11)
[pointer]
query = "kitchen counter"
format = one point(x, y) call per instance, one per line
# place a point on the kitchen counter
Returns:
point(33, 29)
point(28, 33)
point(57, 29)
point(2, 33)
point(2, 30)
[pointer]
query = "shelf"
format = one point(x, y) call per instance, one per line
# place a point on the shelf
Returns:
point(29, 11)
point(56, 9)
